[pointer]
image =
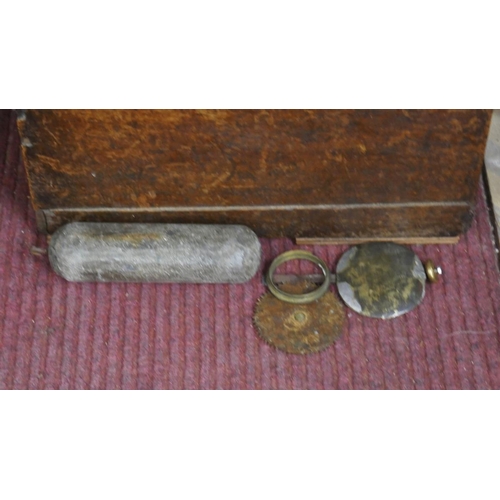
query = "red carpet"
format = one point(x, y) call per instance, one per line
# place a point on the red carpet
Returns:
point(55, 334)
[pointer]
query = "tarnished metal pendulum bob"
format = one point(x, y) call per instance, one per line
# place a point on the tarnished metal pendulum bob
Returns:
point(383, 280)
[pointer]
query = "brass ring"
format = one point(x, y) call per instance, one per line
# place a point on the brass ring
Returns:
point(302, 298)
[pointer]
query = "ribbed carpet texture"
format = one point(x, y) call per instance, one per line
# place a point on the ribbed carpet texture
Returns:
point(60, 335)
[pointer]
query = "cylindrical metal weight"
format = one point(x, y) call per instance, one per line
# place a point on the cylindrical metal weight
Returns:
point(158, 253)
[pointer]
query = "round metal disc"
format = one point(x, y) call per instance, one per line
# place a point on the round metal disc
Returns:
point(299, 328)
point(381, 280)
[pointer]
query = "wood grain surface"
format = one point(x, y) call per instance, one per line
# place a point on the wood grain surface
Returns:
point(320, 173)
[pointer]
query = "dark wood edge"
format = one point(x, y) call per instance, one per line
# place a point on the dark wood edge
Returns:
point(357, 222)
point(444, 240)
point(41, 221)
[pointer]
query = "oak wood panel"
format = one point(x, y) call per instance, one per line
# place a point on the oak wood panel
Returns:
point(259, 160)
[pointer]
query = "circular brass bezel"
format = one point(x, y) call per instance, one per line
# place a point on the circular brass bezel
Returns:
point(304, 298)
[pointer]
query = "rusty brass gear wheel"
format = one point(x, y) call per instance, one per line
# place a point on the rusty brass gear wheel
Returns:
point(299, 328)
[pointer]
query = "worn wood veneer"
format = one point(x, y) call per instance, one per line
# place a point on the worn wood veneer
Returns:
point(298, 173)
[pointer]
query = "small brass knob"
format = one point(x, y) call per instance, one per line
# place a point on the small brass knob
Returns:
point(433, 272)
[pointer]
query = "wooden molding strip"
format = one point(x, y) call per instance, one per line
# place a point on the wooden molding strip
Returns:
point(443, 240)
